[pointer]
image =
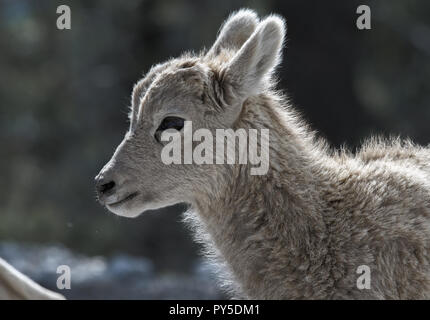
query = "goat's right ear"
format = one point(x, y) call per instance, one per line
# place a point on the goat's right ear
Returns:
point(249, 71)
point(235, 31)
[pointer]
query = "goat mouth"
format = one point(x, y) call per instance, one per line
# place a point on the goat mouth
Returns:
point(127, 198)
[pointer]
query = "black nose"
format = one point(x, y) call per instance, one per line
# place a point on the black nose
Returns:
point(104, 186)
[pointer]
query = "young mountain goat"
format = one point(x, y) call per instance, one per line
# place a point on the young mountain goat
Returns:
point(306, 228)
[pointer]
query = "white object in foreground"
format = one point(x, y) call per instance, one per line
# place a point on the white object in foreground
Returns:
point(15, 285)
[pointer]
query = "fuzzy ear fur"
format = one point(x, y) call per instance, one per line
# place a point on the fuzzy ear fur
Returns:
point(249, 71)
point(235, 31)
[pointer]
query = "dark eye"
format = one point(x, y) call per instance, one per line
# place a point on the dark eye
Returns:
point(169, 123)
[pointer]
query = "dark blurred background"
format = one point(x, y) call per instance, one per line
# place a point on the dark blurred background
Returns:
point(64, 97)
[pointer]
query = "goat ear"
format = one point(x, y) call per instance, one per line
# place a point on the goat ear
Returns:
point(235, 31)
point(249, 71)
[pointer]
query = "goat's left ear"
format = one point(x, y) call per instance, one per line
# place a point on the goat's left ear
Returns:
point(235, 31)
point(249, 71)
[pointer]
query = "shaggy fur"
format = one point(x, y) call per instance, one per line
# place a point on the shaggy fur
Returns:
point(302, 230)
